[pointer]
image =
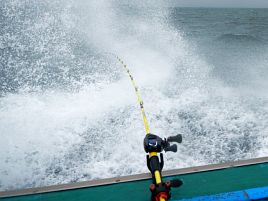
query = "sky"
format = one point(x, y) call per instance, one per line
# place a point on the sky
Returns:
point(220, 3)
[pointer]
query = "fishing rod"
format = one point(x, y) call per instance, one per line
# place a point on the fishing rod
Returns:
point(153, 145)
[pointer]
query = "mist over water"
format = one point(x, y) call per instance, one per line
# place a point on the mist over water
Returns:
point(68, 111)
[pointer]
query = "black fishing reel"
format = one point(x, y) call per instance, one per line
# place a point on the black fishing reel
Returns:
point(153, 143)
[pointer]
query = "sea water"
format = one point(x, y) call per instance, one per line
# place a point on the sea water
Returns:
point(68, 111)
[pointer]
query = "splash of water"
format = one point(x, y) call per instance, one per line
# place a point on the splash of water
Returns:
point(68, 112)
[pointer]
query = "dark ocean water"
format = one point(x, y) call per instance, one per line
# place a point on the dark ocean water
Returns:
point(234, 41)
point(68, 112)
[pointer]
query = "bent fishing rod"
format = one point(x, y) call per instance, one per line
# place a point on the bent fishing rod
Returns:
point(154, 145)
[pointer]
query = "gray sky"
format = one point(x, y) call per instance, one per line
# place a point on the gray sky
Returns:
point(221, 3)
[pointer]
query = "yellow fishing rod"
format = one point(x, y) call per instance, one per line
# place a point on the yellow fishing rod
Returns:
point(154, 145)
point(145, 121)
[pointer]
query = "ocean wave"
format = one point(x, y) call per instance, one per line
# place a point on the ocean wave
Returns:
point(52, 135)
point(239, 38)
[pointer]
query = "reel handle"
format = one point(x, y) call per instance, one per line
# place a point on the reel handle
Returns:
point(175, 183)
point(172, 148)
point(177, 138)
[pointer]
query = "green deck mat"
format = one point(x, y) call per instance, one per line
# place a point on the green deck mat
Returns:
point(195, 184)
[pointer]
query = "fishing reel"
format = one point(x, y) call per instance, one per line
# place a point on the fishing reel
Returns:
point(153, 143)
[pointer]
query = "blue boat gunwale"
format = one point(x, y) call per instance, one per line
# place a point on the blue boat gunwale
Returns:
point(137, 177)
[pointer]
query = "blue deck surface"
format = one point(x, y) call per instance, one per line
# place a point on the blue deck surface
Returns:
point(259, 194)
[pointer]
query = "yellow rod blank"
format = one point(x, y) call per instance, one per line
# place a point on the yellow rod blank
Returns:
point(145, 121)
point(157, 174)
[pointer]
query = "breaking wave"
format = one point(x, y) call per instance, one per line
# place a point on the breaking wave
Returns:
point(68, 112)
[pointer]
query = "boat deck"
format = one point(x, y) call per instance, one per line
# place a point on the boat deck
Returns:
point(241, 180)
